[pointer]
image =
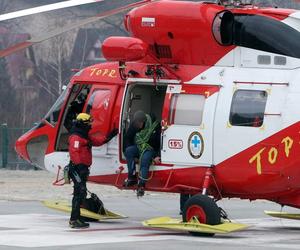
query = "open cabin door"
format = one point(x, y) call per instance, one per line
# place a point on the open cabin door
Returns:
point(188, 121)
point(95, 99)
point(100, 105)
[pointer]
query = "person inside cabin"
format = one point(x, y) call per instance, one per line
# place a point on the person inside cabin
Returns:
point(75, 108)
point(142, 144)
point(80, 150)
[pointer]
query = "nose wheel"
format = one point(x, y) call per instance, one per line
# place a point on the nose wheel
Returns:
point(204, 209)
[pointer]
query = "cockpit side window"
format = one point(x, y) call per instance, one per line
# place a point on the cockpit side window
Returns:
point(75, 105)
point(248, 108)
point(99, 106)
point(100, 97)
point(53, 114)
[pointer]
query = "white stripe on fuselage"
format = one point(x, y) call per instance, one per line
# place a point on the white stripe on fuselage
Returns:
point(293, 20)
point(229, 141)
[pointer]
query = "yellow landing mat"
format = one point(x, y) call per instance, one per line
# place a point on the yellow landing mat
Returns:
point(283, 215)
point(64, 206)
point(193, 225)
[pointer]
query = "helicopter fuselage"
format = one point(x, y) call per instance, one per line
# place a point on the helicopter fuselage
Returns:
point(223, 82)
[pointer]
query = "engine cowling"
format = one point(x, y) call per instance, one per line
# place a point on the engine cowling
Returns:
point(124, 49)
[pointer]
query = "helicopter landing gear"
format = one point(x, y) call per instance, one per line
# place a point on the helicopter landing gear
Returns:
point(201, 216)
point(207, 181)
point(204, 209)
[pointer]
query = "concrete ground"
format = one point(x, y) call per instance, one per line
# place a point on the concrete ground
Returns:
point(27, 224)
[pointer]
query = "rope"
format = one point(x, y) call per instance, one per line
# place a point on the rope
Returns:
point(281, 221)
point(223, 213)
point(219, 192)
point(148, 204)
point(142, 139)
point(139, 174)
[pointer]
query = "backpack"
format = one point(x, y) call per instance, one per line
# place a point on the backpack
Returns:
point(93, 204)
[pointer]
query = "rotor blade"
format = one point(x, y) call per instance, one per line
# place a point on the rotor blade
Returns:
point(28, 43)
point(45, 8)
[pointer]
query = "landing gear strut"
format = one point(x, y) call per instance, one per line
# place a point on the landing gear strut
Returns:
point(202, 208)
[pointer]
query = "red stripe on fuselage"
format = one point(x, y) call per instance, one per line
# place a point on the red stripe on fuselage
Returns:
point(237, 176)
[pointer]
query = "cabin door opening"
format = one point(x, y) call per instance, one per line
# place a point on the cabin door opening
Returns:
point(146, 97)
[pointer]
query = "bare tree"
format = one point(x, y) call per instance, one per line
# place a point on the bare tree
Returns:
point(53, 67)
point(5, 6)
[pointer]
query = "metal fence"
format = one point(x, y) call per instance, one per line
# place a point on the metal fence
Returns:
point(9, 157)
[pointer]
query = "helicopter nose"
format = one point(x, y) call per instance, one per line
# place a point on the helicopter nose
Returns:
point(32, 146)
point(21, 149)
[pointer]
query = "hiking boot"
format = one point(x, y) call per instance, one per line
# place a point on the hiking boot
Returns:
point(129, 183)
point(140, 191)
point(78, 224)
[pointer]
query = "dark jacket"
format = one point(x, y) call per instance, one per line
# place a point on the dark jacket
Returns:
point(130, 135)
point(154, 140)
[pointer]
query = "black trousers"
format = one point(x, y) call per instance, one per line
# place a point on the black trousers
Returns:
point(79, 175)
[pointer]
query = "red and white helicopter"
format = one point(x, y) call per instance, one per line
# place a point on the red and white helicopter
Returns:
point(223, 78)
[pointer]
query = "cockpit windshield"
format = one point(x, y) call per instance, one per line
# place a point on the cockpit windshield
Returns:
point(53, 114)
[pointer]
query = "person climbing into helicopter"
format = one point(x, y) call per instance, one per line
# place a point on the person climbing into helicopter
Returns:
point(80, 150)
point(142, 143)
point(74, 109)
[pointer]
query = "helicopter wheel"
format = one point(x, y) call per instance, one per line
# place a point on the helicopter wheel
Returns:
point(204, 209)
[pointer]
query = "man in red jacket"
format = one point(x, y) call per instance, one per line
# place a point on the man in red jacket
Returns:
point(80, 150)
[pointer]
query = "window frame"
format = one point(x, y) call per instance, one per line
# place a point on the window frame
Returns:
point(91, 99)
point(52, 116)
point(237, 103)
point(173, 108)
